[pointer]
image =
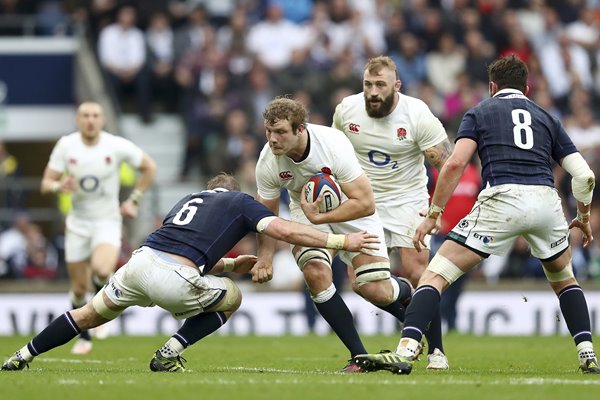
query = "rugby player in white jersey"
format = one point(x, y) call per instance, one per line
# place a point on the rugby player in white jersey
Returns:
point(392, 135)
point(295, 152)
point(86, 164)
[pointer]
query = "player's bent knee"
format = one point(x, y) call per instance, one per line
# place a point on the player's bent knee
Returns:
point(377, 271)
point(445, 268)
point(305, 255)
point(325, 295)
point(102, 309)
point(232, 299)
point(565, 274)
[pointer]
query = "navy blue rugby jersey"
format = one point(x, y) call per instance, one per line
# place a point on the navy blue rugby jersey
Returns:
point(204, 226)
point(517, 140)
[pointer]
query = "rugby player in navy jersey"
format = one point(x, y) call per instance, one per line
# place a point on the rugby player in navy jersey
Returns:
point(174, 269)
point(517, 142)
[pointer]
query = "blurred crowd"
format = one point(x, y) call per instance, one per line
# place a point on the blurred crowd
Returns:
point(217, 63)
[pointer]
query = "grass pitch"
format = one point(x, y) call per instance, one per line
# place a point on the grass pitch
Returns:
point(226, 367)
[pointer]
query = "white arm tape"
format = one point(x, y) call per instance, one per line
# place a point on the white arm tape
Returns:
point(263, 223)
point(583, 180)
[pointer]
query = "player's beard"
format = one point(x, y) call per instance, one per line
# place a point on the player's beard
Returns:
point(384, 109)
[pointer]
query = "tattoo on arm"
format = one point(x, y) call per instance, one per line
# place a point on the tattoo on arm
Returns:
point(438, 154)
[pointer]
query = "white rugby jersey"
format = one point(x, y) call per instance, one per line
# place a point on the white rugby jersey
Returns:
point(390, 149)
point(96, 171)
point(330, 151)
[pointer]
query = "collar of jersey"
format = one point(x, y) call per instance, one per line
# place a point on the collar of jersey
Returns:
point(508, 91)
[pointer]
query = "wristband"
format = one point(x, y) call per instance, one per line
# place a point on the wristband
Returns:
point(434, 211)
point(336, 241)
point(584, 218)
point(136, 196)
point(55, 187)
point(228, 264)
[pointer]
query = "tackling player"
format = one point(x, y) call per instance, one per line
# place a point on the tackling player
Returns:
point(86, 164)
point(174, 270)
point(392, 135)
point(294, 153)
point(517, 141)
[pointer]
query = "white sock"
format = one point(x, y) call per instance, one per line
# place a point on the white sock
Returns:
point(408, 348)
point(585, 350)
point(172, 348)
point(25, 354)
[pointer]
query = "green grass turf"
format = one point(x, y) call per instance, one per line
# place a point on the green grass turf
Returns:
point(226, 367)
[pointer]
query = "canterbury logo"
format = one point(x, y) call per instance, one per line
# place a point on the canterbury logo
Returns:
point(285, 175)
point(353, 128)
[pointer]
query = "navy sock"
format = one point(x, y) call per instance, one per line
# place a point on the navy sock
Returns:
point(423, 307)
point(339, 317)
point(434, 334)
point(575, 312)
point(398, 307)
point(57, 333)
point(199, 326)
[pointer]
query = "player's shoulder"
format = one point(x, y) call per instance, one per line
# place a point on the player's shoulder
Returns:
point(412, 103)
point(265, 157)
point(351, 103)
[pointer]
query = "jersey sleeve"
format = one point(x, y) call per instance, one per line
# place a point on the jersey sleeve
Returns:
point(128, 152)
point(254, 211)
point(430, 130)
point(267, 184)
point(57, 160)
point(563, 146)
point(467, 128)
point(338, 120)
point(346, 167)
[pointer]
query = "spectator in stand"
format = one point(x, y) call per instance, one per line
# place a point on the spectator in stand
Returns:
point(274, 39)
point(161, 54)
point(13, 247)
point(410, 60)
point(192, 35)
point(12, 196)
point(122, 54)
point(445, 63)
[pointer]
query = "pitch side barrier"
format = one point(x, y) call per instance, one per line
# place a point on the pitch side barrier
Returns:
point(517, 312)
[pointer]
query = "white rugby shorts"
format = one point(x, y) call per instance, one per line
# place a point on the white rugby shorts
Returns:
point(371, 224)
point(81, 236)
point(150, 279)
point(504, 212)
point(400, 218)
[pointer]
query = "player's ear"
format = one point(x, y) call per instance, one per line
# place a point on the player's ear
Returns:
point(397, 85)
point(493, 88)
point(526, 90)
point(301, 127)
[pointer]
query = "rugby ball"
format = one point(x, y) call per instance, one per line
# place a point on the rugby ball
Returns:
point(326, 185)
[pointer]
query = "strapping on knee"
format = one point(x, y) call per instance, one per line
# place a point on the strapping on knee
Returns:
point(445, 268)
point(377, 271)
point(101, 308)
point(562, 275)
point(324, 296)
point(306, 255)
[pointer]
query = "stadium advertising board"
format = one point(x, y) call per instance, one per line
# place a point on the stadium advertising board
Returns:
point(480, 313)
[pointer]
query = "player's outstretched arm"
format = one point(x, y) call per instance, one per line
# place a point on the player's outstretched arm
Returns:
point(304, 235)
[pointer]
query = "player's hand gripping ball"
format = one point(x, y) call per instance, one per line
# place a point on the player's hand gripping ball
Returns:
point(326, 185)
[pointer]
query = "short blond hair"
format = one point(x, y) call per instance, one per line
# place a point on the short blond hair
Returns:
point(376, 64)
point(284, 108)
